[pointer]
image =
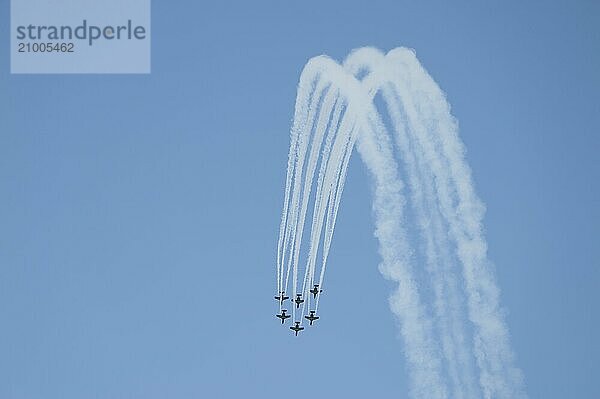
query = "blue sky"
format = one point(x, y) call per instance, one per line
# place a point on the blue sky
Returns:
point(139, 213)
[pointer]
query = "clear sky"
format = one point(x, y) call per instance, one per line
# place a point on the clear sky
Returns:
point(139, 214)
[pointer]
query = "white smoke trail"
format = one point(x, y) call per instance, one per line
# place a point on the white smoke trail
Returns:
point(333, 179)
point(448, 214)
point(334, 127)
point(309, 98)
point(452, 341)
point(319, 131)
point(284, 229)
point(329, 179)
point(464, 212)
point(446, 303)
point(415, 325)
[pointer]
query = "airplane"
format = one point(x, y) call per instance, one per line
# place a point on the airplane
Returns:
point(283, 316)
point(281, 297)
point(312, 317)
point(315, 290)
point(297, 328)
point(298, 300)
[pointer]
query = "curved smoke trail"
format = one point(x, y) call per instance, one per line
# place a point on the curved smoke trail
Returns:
point(457, 344)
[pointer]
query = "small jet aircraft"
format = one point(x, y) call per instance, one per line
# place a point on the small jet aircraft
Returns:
point(283, 316)
point(298, 300)
point(316, 290)
point(281, 297)
point(312, 317)
point(296, 328)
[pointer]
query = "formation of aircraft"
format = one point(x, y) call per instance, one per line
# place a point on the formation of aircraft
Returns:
point(311, 317)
